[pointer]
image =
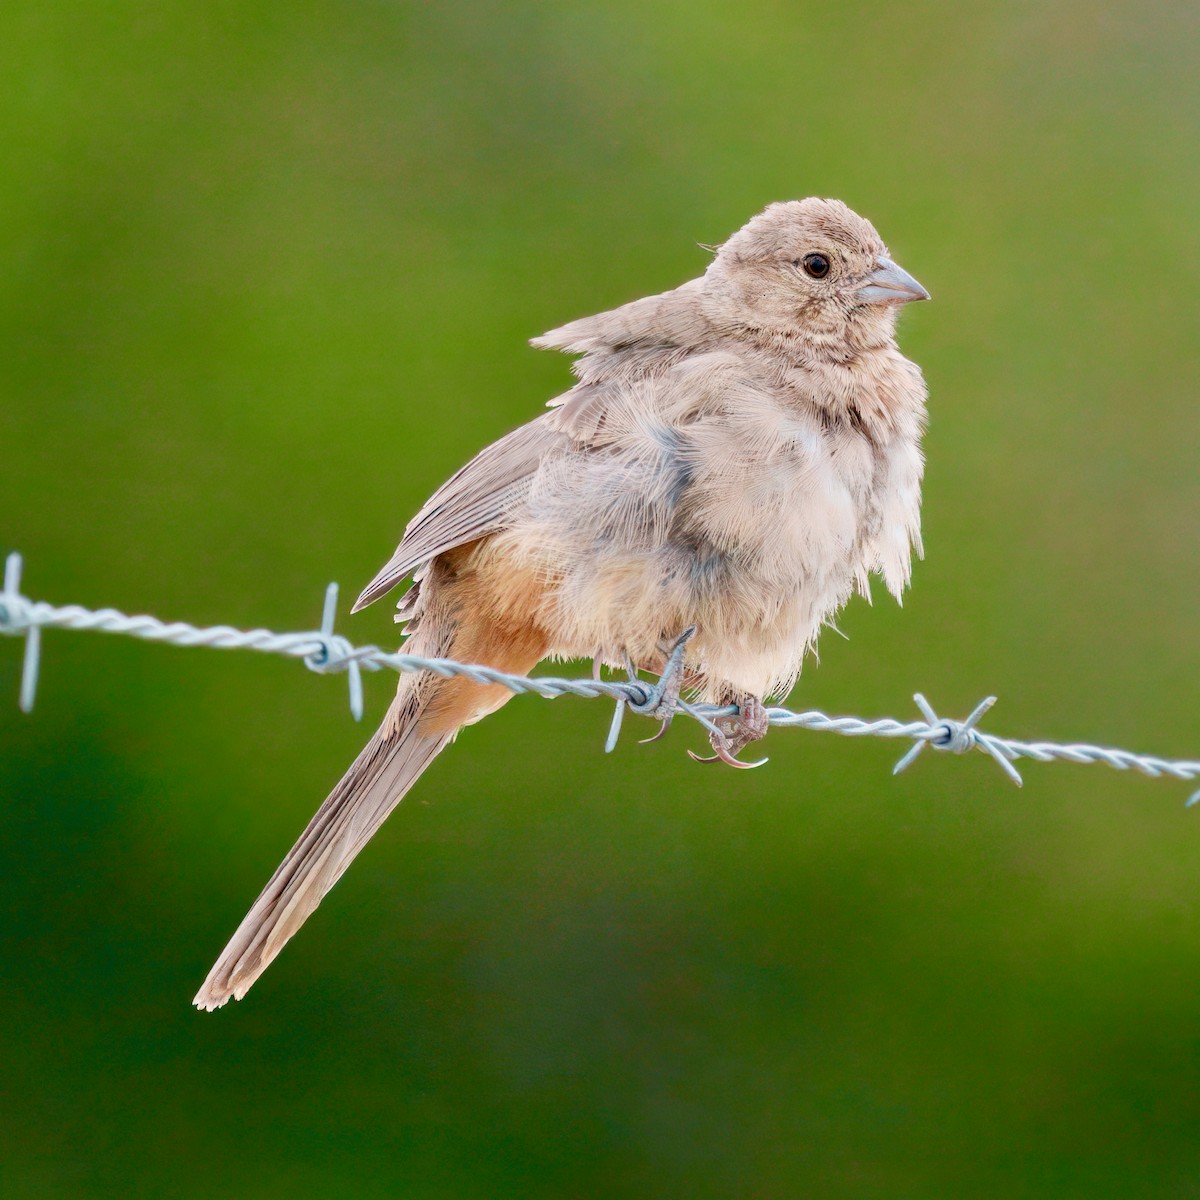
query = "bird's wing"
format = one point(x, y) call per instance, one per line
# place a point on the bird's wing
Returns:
point(475, 501)
point(618, 348)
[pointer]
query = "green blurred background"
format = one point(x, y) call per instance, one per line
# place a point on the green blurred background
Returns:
point(266, 276)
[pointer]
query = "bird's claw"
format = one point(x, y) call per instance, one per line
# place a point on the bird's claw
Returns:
point(723, 755)
point(666, 724)
point(728, 734)
point(748, 724)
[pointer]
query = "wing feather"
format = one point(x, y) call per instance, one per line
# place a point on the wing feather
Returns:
point(619, 347)
point(475, 501)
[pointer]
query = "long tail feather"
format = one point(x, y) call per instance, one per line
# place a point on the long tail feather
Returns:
point(389, 765)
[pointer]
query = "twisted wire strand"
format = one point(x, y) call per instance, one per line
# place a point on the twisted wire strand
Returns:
point(326, 652)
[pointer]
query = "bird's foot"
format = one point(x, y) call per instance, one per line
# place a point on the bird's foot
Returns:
point(749, 724)
point(663, 701)
point(666, 705)
point(658, 700)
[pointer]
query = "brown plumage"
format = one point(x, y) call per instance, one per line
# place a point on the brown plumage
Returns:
point(738, 455)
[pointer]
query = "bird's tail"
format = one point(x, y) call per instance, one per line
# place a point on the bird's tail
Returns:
point(376, 782)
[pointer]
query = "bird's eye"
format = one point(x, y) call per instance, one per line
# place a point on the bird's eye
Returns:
point(816, 265)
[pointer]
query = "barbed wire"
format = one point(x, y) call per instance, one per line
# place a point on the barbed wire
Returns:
point(326, 652)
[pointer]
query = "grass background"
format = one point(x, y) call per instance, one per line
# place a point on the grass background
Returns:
point(266, 276)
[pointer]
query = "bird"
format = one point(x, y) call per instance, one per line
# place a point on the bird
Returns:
point(736, 458)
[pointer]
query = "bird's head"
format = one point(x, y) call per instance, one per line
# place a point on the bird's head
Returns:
point(814, 270)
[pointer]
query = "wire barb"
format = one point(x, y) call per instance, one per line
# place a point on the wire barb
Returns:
point(327, 652)
point(17, 617)
point(958, 737)
point(336, 653)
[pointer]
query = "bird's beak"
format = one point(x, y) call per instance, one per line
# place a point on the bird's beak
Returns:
point(890, 283)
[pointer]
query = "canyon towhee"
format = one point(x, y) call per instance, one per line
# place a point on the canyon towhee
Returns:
point(737, 456)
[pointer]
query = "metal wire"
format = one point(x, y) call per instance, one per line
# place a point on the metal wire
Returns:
point(327, 653)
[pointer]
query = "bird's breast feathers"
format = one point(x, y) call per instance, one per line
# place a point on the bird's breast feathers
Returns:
point(714, 495)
